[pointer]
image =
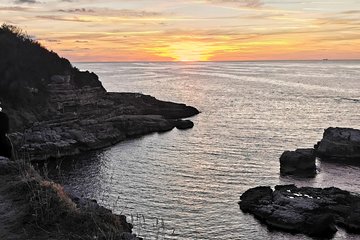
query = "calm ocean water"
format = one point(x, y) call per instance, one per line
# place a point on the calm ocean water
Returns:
point(187, 184)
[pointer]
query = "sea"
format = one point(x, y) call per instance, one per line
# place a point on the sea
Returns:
point(187, 184)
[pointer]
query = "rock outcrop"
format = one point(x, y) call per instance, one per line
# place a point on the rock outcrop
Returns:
point(339, 144)
point(301, 162)
point(311, 211)
point(91, 119)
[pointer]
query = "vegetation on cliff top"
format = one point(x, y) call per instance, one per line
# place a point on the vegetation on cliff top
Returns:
point(26, 68)
point(25, 65)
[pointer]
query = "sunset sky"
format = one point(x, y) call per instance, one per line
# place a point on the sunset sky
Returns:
point(190, 30)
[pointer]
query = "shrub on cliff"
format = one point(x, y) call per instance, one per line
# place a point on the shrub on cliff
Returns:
point(26, 68)
point(25, 65)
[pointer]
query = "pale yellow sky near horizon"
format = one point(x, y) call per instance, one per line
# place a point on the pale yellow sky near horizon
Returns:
point(190, 30)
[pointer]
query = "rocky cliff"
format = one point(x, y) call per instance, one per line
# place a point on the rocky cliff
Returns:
point(56, 110)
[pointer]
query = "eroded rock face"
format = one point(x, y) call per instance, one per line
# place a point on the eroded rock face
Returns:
point(311, 211)
point(301, 162)
point(88, 118)
point(340, 144)
point(92, 119)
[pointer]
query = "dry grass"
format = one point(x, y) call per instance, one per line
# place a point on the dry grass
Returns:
point(59, 216)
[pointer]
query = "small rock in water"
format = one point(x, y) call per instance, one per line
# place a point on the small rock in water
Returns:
point(184, 124)
point(300, 162)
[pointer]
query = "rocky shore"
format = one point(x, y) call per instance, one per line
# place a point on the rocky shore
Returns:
point(312, 211)
point(56, 110)
point(33, 208)
point(95, 119)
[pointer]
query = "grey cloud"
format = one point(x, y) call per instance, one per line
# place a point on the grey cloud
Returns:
point(59, 18)
point(112, 12)
point(14, 9)
point(26, 1)
point(241, 3)
point(351, 12)
point(77, 10)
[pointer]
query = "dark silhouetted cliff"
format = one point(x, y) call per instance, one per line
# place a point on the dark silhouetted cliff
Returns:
point(26, 69)
point(56, 110)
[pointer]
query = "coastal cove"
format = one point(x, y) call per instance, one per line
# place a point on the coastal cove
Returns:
point(250, 114)
point(179, 120)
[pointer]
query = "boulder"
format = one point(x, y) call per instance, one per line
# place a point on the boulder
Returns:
point(184, 124)
point(301, 162)
point(311, 211)
point(339, 144)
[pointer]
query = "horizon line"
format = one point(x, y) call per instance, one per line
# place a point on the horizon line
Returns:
point(266, 60)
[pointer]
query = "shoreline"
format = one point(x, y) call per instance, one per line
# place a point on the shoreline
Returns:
point(56, 110)
point(121, 116)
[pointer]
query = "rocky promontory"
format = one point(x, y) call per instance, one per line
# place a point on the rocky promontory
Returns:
point(56, 110)
point(312, 211)
point(93, 122)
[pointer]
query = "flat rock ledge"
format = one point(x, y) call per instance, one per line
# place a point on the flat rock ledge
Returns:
point(312, 211)
point(97, 121)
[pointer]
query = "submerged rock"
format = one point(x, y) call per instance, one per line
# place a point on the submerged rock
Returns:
point(311, 211)
point(301, 162)
point(340, 144)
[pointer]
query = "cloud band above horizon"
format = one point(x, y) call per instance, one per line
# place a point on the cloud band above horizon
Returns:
point(190, 30)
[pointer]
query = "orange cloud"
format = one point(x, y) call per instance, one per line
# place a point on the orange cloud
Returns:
point(191, 30)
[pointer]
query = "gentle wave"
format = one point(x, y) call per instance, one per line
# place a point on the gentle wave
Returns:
point(251, 112)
